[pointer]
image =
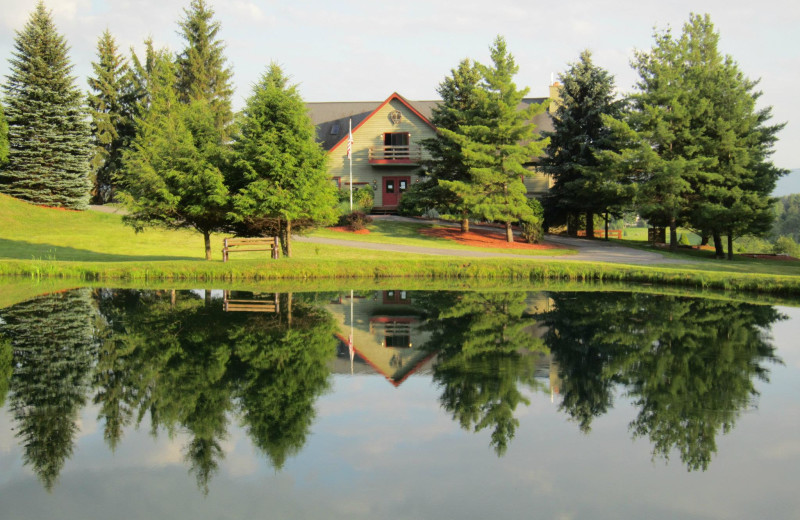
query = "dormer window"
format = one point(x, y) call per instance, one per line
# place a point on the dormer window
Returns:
point(335, 127)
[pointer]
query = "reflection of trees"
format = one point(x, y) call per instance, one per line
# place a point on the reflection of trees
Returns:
point(485, 346)
point(187, 365)
point(52, 340)
point(6, 367)
point(688, 364)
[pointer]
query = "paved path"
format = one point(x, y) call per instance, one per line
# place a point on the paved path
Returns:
point(588, 250)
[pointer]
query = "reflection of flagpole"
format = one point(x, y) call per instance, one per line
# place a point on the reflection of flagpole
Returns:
point(351, 346)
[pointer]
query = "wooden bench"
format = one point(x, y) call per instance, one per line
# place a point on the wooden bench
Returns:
point(235, 245)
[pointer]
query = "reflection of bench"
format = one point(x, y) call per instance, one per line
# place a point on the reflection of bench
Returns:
point(235, 245)
point(231, 305)
point(600, 233)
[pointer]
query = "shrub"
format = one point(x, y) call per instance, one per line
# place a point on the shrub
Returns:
point(364, 198)
point(531, 230)
point(786, 246)
point(356, 221)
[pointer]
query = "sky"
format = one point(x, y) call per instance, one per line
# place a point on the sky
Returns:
point(365, 50)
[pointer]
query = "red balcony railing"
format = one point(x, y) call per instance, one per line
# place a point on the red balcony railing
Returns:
point(395, 155)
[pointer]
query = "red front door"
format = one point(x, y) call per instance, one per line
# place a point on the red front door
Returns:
point(393, 188)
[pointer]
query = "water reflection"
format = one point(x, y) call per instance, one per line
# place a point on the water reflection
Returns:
point(688, 364)
point(189, 363)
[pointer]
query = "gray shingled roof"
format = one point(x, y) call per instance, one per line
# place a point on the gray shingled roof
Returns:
point(331, 118)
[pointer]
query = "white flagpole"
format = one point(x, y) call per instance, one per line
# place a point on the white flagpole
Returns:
point(352, 347)
point(350, 155)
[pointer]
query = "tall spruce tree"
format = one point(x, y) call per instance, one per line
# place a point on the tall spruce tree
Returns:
point(497, 141)
point(582, 184)
point(280, 180)
point(447, 163)
point(112, 105)
point(49, 138)
point(201, 72)
point(172, 169)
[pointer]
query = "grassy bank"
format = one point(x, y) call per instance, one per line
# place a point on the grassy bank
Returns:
point(38, 243)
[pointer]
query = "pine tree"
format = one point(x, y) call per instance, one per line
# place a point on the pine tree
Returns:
point(582, 184)
point(3, 139)
point(281, 174)
point(201, 72)
point(497, 142)
point(49, 139)
point(112, 106)
point(172, 169)
point(459, 98)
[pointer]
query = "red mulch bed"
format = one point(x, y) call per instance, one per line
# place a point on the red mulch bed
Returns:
point(345, 229)
point(482, 238)
point(784, 258)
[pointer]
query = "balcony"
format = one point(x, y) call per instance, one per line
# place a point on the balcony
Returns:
point(395, 155)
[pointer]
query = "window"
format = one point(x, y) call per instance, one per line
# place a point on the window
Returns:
point(396, 138)
point(335, 127)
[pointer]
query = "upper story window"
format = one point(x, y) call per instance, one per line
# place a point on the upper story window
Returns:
point(396, 138)
point(335, 129)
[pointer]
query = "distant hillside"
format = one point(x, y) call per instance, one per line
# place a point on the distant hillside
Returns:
point(788, 184)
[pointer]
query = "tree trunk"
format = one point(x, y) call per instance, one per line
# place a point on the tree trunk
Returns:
point(673, 235)
point(286, 237)
point(465, 225)
point(509, 233)
point(572, 225)
point(719, 252)
point(289, 310)
point(606, 220)
point(207, 239)
point(207, 297)
point(589, 224)
point(730, 245)
point(704, 236)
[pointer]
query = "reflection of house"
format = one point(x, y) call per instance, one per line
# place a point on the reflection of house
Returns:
point(385, 331)
point(386, 150)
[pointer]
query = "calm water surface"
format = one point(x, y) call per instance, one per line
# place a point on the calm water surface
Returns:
point(395, 404)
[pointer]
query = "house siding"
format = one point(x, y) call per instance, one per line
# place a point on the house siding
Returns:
point(370, 134)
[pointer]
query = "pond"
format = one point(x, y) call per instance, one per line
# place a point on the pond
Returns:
point(140, 404)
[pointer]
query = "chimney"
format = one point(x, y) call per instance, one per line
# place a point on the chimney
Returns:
point(555, 96)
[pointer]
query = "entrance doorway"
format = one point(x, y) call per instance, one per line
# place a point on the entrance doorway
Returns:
point(393, 189)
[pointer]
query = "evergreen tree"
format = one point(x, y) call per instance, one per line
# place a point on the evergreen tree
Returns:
point(497, 141)
point(53, 345)
point(459, 99)
point(172, 169)
point(49, 139)
point(112, 106)
point(3, 139)
point(201, 72)
point(280, 178)
point(582, 183)
point(732, 194)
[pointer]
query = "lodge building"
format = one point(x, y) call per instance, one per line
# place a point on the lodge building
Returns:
point(386, 149)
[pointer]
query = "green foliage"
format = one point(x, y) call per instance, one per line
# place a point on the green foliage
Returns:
point(583, 183)
point(497, 142)
point(6, 367)
point(280, 172)
point(787, 246)
point(172, 170)
point(683, 240)
point(48, 136)
point(113, 106)
point(3, 138)
point(447, 162)
point(364, 198)
point(52, 341)
point(201, 73)
point(532, 230)
point(485, 357)
point(690, 375)
point(702, 145)
point(787, 217)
